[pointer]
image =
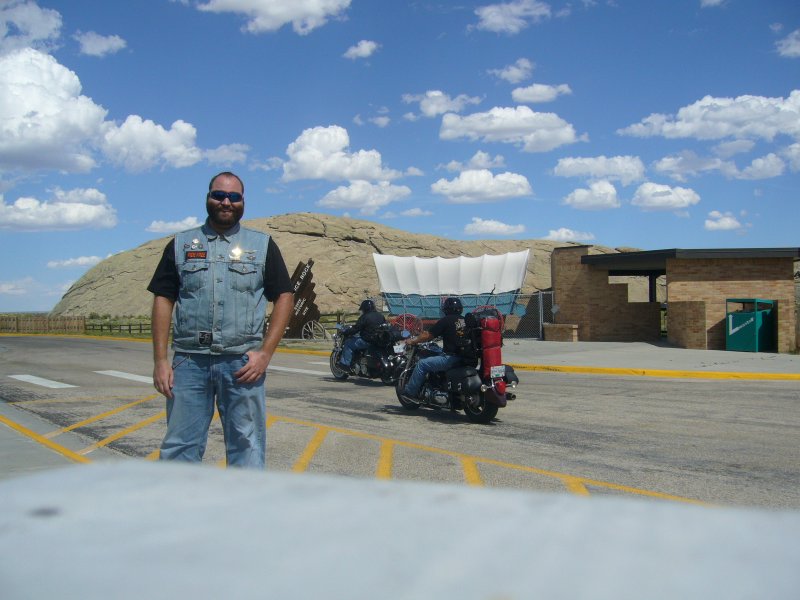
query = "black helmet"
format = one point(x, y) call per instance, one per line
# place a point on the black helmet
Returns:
point(367, 306)
point(452, 306)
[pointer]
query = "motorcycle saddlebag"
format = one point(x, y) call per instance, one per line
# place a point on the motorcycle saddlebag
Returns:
point(511, 376)
point(491, 343)
point(463, 380)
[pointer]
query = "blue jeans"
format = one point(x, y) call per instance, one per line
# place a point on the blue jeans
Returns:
point(431, 364)
point(200, 381)
point(351, 344)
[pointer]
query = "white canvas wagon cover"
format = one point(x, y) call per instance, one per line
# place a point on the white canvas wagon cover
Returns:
point(487, 274)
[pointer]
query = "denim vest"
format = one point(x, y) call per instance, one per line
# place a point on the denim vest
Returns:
point(221, 307)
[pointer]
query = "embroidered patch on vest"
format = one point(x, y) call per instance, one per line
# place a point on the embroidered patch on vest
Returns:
point(196, 254)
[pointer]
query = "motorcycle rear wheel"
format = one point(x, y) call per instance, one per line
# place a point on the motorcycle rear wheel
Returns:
point(338, 373)
point(401, 383)
point(483, 412)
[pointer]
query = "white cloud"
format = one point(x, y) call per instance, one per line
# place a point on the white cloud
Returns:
point(480, 185)
point(19, 287)
point(227, 154)
point(789, 46)
point(304, 15)
point(69, 210)
point(728, 149)
point(655, 196)
point(519, 71)
point(689, 164)
point(563, 234)
point(23, 24)
point(321, 153)
point(45, 122)
point(364, 196)
point(491, 227)
point(792, 154)
point(416, 212)
point(712, 118)
point(69, 263)
point(539, 92)
point(434, 102)
point(718, 221)
point(94, 44)
point(174, 226)
point(601, 195)
point(534, 131)
point(381, 121)
point(625, 169)
point(480, 160)
point(140, 144)
point(511, 17)
point(364, 49)
point(765, 167)
point(711, 3)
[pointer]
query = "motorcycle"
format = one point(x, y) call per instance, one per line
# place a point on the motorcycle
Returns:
point(384, 359)
point(479, 393)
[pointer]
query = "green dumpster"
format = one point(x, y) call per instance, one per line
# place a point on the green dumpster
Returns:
point(750, 325)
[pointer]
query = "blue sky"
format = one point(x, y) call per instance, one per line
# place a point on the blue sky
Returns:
point(650, 124)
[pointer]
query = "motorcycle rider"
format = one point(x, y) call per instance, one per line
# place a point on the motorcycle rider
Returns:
point(450, 328)
point(362, 333)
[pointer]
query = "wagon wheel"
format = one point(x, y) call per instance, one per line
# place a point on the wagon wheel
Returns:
point(409, 322)
point(313, 330)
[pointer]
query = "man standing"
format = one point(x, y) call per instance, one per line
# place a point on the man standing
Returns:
point(218, 278)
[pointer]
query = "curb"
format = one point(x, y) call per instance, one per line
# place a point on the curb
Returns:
point(634, 372)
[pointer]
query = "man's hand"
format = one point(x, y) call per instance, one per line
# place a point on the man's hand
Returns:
point(163, 378)
point(257, 363)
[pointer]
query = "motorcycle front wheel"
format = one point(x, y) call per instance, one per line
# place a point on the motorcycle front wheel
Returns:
point(479, 410)
point(401, 383)
point(338, 373)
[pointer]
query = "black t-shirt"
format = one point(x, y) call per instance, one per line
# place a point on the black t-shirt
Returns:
point(165, 280)
point(449, 328)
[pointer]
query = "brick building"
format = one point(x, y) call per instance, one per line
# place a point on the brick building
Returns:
point(592, 306)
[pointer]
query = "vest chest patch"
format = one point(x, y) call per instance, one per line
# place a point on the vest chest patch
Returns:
point(196, 254)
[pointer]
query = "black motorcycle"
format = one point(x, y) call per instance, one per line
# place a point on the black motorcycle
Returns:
point(384, 359)
point(462, 388)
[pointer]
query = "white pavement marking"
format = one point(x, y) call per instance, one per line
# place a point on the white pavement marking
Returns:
point(48, 383)
point(301, 371)
point(319, 362)
point(123, 375)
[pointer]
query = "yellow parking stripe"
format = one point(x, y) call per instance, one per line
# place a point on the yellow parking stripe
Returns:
point(123, 432)
point(385, 460)
point(96, 418)
point(574, 484)
point(44, 441)
point(471, 474)
point(305, 459)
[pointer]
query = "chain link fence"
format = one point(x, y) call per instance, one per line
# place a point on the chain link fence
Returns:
point(530, 314)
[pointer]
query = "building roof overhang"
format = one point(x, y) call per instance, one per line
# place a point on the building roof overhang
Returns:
point(654, 262)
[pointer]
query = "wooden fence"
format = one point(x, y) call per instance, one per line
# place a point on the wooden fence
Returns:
point(42, 324)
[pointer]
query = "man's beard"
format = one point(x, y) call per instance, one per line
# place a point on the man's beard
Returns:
point(220, 217)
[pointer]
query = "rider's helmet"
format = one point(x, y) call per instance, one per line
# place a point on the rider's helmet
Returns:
point(367, 306)
point(452, 306)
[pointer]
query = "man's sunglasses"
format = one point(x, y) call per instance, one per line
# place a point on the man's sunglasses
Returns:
point(219, 196)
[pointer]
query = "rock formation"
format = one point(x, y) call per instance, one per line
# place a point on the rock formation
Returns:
point(343, 271)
